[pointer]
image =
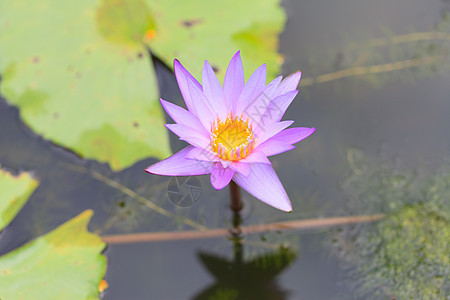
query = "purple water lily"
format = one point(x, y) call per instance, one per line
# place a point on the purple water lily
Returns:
point(232, 130)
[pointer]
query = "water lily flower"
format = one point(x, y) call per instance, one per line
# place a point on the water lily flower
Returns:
point(233, 129)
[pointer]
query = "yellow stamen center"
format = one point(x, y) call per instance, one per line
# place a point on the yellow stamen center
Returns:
point(232, 139)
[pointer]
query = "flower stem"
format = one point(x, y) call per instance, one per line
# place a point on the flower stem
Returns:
point(236, 237)
point(235, 195)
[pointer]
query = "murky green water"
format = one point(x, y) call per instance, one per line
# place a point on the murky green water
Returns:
point(382, 144)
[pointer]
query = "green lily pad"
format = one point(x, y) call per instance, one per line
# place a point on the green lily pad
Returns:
point(14, 193)
point(80, 84)
point(81, 73)
point(63, 264)
point(193, 31)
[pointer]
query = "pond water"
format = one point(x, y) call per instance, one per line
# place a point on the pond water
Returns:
point(382, 124)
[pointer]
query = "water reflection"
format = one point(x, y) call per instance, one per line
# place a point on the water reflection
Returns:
point(238, 278)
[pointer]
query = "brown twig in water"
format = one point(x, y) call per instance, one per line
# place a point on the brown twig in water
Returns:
point(409, 38)
point(357, 70)
point(221, 232)
point(374, 69)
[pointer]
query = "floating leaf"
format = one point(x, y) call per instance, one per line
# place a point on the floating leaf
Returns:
point(63, 264)
point(81, 73)
point(80, 85)
point(199, 30)
point(14, 193)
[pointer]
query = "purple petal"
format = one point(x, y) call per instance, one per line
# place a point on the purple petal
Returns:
point(255, 157)
point(288, 84)
point(202, 106)
point(203, 154)
point(182, 116)
point(272, 86)
point(213, 91)
point(263, 134)
point(179, 165)
point(275, 110)
point(241, 167)
point(263, 183)
point(293, 135)
point(220, 176)
point(281, 103)
point(252, 89)
point(274, 147)
point(183, 79)
point(189, 135)
point(234, 81)
point(257, 108)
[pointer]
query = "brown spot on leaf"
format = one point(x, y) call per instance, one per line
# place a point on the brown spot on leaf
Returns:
point(140, 55)
point(136, 124)
point(190, 23)
point(215, 69)
point(56, 115)
point(102, 286)
point(35, 59)
point(149, 35)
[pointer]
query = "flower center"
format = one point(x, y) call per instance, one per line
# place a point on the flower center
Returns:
point(232, 139)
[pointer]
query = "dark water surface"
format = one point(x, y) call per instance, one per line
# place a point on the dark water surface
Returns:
point(399, 118)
